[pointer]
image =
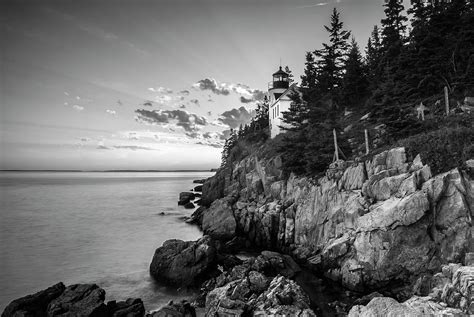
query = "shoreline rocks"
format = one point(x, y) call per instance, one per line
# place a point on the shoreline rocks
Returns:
point(75, 300)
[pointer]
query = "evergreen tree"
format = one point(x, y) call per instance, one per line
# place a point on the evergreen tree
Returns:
point(354, 84)
point(308, 79)
point(373, 55)
point(290, 75)
point(331, 57)
point(393, 28)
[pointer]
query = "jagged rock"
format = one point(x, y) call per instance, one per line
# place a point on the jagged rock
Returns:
point(284, 298)
point(79, 300)
point(354, 177)
point(382, 306)
point(258, 282)
point(182, 263)
point(132, 307)
point(218, 220)
point(35, 304)
point(198, 188)
point(368, 224)
point(182, 309)
point(219, 303)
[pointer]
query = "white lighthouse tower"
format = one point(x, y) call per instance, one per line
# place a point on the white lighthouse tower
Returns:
point(279, 96)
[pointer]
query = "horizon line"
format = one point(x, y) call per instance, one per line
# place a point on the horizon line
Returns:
point(106, 171)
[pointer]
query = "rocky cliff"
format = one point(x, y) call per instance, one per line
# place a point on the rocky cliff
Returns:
point(365, 224)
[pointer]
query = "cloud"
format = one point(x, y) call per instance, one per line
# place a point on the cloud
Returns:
point(195, 101)
point(226, 88)
point(78, 108)
point(111, 112)
point(184, 92)
point(66, 103)
point(182, 107)
point(190, 122)
point(78, 98)
point(147, 103)
point(133, 136)
point(66, 93)
point(235, 117)
point(245, 100)
point(102, 147)
point(212, 85)
point(134, 147)
point(161, 90)
point(314, 5)
point(85, 139)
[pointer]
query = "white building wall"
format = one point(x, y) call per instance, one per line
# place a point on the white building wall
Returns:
point(275, 114)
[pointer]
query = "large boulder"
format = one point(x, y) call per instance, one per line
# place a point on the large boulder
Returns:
point(182, 263)
point(35, 304)
point(79, 300)
point(218, 220)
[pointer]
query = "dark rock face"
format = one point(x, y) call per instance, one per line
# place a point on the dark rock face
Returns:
point(132, 307)
point(79, 300)
point(198, 188)
point(185, 197)
point(34, 305)
point(183, 263)
point(199, 181)
point(189, 205)
point(75, 300)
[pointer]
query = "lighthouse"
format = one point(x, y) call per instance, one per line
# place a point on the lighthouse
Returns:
point(279, 85)
point(279, 92)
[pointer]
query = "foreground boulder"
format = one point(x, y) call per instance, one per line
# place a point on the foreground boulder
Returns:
point(183, 263)
point(75, 300)
point(79, 300)
point(35, 304)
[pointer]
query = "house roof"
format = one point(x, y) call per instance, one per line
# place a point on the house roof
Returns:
point(293, 87)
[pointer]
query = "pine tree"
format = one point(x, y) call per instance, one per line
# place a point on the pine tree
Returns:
point(354, 84)
point(308, 80)
point(290, 75)
point(373, 56)
point(332, 56)
point(394, 27)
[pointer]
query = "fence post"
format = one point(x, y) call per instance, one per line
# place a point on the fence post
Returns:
point(446, 99)
point(335, 144)
point(366, 142)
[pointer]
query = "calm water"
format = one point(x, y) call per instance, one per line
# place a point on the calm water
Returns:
point(89, 227)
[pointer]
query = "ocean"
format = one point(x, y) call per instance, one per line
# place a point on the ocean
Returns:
point(90, 227)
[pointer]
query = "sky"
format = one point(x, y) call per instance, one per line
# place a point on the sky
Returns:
point(142, 84)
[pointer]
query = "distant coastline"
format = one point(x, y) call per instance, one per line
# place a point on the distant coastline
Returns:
point(111, 171)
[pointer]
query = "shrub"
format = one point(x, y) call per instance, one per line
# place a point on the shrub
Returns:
point(442, 149)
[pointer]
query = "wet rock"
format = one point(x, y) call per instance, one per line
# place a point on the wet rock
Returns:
point(199, 181)
point(198, 188)
point(189, 205)
point(182, 309)
point(132, 307)
point(34, 305)
point(185, 197)
point(183, 263)
point(79, 300)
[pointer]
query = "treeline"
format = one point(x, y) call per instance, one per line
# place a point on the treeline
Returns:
point(404, 63)
point(401, 68)
point(256, 130)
